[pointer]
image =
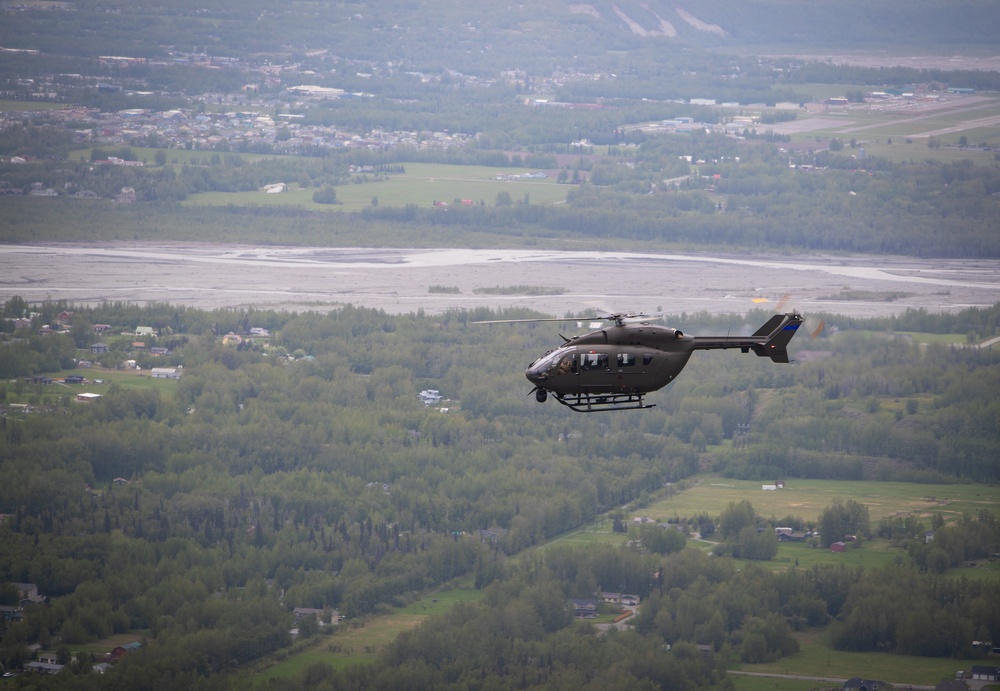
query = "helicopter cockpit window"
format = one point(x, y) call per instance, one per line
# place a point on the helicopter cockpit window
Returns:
point(647, 358)
point(554, 363)
point(626, 359)
point(593, 361)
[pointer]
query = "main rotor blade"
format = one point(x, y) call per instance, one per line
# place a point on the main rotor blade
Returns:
point(526, 321)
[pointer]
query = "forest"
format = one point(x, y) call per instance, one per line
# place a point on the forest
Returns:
point(302, 470)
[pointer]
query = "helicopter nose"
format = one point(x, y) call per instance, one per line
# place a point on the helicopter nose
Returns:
point(535, 374)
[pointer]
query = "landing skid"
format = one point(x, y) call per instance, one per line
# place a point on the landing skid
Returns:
point(591, 403)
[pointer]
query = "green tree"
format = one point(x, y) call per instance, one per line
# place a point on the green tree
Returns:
point(735, 517)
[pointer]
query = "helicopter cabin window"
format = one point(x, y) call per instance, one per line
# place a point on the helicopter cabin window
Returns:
point(626, 359)
point(647, 358)
point(593, 361)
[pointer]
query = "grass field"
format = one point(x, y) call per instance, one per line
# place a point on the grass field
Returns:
point(422, 184)
point(179, 157)
point(49, 394)
point(818, 659)
point(360, 642)
point(8, 106)
point(808, 498)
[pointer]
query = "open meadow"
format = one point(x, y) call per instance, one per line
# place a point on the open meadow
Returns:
point(817, 658)
point(807, 499)
point(358, 642)
point(422, 184)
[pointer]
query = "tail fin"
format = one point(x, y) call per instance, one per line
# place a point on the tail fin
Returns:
point(770, 327)
point(780, 328)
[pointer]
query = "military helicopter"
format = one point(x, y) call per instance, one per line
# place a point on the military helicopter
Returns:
point(614, 367)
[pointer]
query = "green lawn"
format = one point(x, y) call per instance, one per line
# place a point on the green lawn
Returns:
point(7, 106)
point(360, 641)
point(816, 658)
point(49, 395)
point(422, 184)
point(174, 156)
point(808, 498)
point(744, 682)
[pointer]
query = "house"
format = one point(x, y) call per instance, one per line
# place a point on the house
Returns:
point(28, 591)
point(299, 613)
point(11, 613)
point(165, 373)
point(985, 673)
point(100, 328)
point(101, 667)
point(951, 685)
point(859, 684)
point(87, 397)
point(144, 331)
point(74, 379)
point(159, 350)
point(788, 535)
point(98, 348)
point(619, 598)
point(125, 649)
point(491, 535)
point(43, 667)
point(584, 608)
point(838, 546)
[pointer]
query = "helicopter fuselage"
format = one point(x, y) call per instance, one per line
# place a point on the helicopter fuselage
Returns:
point(616, 359)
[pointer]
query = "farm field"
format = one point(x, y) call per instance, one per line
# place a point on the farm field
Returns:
point(422, 184)
point(807, 498)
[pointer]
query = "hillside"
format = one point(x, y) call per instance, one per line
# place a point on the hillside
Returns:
point(436, 35)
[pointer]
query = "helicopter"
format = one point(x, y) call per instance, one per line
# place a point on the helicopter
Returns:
point(614, 367)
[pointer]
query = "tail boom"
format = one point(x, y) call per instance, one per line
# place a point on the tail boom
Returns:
point(771, 340)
